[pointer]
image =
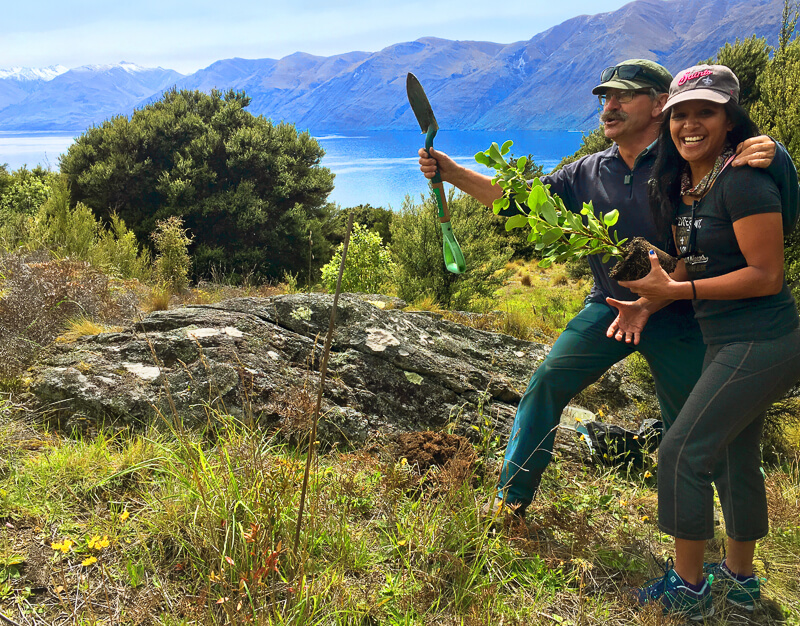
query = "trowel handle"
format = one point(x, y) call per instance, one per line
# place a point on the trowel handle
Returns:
point(441, 199)
point(437, 178)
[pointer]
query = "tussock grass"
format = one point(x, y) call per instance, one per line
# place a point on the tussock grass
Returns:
point(83, 326)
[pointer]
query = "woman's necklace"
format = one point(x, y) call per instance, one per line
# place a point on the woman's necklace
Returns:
point(701, 188)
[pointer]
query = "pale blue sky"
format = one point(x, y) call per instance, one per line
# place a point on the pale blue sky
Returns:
point(186, 35)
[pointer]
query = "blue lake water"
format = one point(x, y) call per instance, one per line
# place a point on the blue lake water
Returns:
point(371, 167)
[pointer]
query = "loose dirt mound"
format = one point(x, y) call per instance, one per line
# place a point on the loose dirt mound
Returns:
point(426, 449)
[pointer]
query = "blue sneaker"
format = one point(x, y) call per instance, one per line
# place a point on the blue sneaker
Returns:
point(743, 593)
point(675, 598)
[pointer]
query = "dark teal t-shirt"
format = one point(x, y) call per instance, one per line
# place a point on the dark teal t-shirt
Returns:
point(737, 193)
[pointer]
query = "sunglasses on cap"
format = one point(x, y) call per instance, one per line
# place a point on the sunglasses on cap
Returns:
point(630, 72)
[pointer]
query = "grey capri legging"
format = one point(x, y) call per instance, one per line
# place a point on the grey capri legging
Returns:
point(716, 438)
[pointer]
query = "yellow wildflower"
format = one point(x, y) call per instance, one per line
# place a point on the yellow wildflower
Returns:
point(64, 546)
point(648, 475)
point(124, 516)
point(88, 561)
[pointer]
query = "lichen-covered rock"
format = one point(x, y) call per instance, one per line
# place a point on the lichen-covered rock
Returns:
point(259, 358)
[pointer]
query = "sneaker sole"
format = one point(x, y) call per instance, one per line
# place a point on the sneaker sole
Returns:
point(701, 618)
point(749, 607)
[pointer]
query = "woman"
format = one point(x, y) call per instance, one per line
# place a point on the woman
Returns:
point(728, 228)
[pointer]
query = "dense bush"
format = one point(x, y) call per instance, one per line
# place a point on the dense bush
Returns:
point(172, 254)
point(368, 267)
point(22, 193)
point(246, 188)
point(417, 250)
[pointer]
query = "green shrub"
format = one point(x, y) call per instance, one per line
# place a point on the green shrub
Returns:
point(172, 247)
point(368, 268)
point(244, 186)
point(417, 250)
point(22, 194)
point(118, 252)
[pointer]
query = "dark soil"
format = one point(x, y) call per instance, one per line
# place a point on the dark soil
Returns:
point(636, 263)
point(426, 449)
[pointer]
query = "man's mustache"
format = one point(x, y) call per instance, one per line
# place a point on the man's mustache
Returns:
point(611, 116)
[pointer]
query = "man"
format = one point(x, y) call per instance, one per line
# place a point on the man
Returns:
point(632, 95)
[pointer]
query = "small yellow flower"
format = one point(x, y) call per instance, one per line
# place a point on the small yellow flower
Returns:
point(645, 518)
point(623, 503)
point(88, 561)
point(64, 546)
point(124, 516)
point(95, 543)
point(583, 437)
point(648, 475)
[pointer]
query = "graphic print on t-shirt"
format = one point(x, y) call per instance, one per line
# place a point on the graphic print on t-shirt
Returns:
point(695, 262)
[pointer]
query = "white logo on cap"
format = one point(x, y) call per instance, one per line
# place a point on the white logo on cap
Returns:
point(707, 81)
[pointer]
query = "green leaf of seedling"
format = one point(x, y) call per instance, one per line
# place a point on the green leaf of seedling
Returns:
point(521, 162)
point(579, 242)
point(499, 204)
point(551, 236)
point(537, 197)
point(506, 147)
point(516, 221)
point(611, 218)
point(537, 183)
point(606, 257)
point(494, 153)
point(549, 212)
point(545, 262)
point(483, 159)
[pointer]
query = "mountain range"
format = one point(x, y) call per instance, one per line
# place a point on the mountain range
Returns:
point(543, 83)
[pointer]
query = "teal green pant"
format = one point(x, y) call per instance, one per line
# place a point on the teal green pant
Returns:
point(671, 343)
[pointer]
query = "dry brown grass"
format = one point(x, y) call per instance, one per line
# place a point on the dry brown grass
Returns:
point(525, 281)
point(37, 297)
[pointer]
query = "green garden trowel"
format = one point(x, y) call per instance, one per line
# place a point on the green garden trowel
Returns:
point(453, 257)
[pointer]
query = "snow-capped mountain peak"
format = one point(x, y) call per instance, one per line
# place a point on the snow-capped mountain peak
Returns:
point(33, 73)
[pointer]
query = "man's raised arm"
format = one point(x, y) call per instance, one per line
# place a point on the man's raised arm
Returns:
point(476, 185)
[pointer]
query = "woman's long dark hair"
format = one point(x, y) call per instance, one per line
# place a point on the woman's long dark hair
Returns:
point(664, 186)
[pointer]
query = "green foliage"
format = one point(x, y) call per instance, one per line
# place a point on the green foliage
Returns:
point(246, 187)
point(748, 59)
point(67, 231)
point(172, 254)
point(777, 114)
point(376, 219)
point(596, 141)
point(368, 267)
point(417, 250)
point(117, 252)
point(559, 234)
point(518, 239)
point(75, 233)
point(22, 193)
